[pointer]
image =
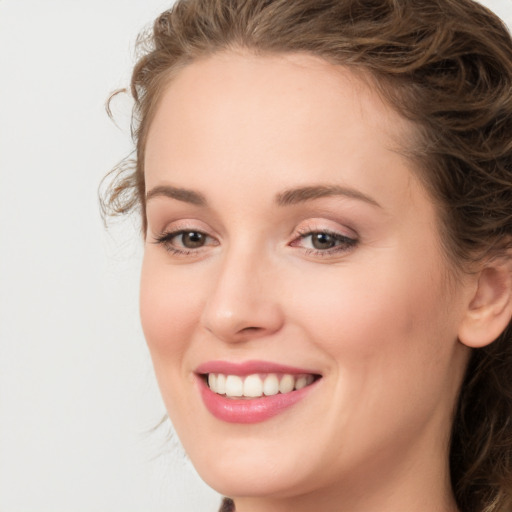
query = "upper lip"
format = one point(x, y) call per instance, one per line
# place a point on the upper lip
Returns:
point(250, 367)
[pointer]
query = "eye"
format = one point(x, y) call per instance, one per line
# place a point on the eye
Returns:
point(184, 241)
point(323, 242)
point(191, 239)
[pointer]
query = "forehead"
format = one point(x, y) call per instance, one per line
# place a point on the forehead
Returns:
point(237, 114)
point(300, 84)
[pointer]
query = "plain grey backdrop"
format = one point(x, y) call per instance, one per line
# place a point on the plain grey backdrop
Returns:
point(77, 392)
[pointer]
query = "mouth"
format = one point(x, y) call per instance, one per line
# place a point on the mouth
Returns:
point(257, 385)
point(253, 391)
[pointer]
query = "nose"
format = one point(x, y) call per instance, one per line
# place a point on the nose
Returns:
point(244, 302)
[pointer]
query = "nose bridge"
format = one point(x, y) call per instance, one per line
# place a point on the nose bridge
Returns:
point(241, 304)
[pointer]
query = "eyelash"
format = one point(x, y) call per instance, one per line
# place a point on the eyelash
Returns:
point(165, 239)
point(345, 243)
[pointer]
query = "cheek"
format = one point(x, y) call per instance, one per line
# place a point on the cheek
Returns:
point(380, 320)
point(391, 340)
point(170, 307)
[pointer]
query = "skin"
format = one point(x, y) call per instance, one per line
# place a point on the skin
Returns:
point(379, 318)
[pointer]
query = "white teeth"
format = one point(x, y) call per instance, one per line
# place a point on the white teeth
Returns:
point(234, 386)
point(271, 385)
point(255, 386)
point(301, 382)
point(287, 383)
point(221, 384)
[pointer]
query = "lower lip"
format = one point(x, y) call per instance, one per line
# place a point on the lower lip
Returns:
point(253, 410)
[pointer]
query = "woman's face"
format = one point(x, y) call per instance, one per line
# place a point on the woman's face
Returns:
point(290, 241)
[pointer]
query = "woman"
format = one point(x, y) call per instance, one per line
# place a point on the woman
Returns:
point(326, 202)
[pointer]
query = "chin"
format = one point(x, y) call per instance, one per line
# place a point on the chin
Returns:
point(248, 466)
point(260, 478)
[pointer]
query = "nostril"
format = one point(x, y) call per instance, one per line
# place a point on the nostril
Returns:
point(240, 320)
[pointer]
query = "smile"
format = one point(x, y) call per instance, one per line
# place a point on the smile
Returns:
point(252, 391)
point(257, 385)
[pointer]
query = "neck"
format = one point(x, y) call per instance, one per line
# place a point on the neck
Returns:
point(436, 500)
point(416, 483)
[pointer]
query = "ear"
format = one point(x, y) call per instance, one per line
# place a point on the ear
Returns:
point(490, 307)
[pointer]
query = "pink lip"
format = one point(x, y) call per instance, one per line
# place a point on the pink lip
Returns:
point(249, 368)
point(252, 410)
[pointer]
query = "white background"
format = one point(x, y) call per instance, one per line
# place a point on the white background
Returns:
point(77, 393)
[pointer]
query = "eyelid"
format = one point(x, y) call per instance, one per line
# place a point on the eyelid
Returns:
point(184, 224)
point(319, 225)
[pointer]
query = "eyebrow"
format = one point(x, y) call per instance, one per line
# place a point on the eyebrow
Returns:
point(285, 198)
point(301, 194)
point(181, 194)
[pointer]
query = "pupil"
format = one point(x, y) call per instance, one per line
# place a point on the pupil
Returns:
point(322, 241)
point(193, 239)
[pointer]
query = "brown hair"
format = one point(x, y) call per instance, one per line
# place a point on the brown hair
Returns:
point(444, 64)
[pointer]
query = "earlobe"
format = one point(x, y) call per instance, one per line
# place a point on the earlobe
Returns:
point(490, 308)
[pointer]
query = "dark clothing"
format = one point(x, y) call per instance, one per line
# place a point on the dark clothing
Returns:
point(227, 505)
